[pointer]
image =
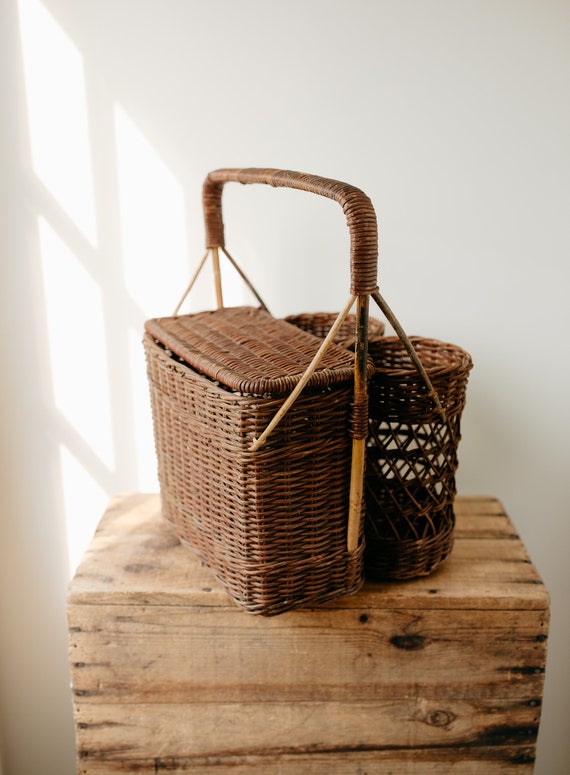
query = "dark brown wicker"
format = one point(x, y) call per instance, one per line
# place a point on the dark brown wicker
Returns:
point(271, 524)
point(320, 323)
point(412, 458)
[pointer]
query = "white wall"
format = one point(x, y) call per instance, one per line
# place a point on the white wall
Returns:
point(453, 116)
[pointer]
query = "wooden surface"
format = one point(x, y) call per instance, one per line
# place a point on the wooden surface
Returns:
point(443, 674)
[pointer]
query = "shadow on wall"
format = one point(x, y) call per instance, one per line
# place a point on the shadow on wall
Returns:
point(109, 223)
point(96, 206)
point(93, 255)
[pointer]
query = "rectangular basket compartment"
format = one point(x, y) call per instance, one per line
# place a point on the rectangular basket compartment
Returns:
point(270, 524)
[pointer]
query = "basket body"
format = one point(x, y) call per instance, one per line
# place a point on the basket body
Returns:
point(271, 524)
point(411, 458)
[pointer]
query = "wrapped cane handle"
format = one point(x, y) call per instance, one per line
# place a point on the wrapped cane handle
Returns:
point(357, 207)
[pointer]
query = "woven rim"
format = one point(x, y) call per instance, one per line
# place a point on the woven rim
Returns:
point(320, 323)
point(400, 390)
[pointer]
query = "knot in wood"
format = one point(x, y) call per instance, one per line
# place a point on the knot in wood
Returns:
point(408, 642)
point(439, 718)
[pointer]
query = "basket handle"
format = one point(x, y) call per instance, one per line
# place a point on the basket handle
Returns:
point(363, 229)
point(362, 225)
point(357, 207)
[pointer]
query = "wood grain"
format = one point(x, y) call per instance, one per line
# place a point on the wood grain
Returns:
point(131, 654)
point(439, 675)
point(135, 558)
point(201, 729)
point(491, 760)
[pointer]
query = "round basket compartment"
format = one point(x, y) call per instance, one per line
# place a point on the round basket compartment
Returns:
point(320, 323)
point(412, 457)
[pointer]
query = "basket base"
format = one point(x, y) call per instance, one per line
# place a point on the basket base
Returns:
point(262, 599)
point(396, 560)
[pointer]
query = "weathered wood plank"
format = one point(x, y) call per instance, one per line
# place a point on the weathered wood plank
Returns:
point(266, 729)
point(133, 654)
point(494, 760)
point(135, 558)
point(439, 675)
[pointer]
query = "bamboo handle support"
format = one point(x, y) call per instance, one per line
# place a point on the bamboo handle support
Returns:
point(259, 442)
point(244, 277)
point(191, 283)
point(217, 277)
point(391, 318)
point(356, 494)
point(358, 460)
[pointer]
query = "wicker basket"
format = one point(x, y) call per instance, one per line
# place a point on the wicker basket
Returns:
point(320, 323)
point(412, 458)
point(279, 523)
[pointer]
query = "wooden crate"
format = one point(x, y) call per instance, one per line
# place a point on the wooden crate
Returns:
point(439, 675)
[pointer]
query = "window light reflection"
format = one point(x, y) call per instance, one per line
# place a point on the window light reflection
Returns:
point(76, 342)
point(57, 114)
point(84, 500)
point(152, 221)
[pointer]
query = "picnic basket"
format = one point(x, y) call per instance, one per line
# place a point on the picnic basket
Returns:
point(260, 427)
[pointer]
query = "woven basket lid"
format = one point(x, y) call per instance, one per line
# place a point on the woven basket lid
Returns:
point(249, 351)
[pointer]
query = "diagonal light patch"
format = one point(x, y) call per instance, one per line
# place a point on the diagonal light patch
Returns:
point(76, 342)
point(153, 226)
point(57, 115)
